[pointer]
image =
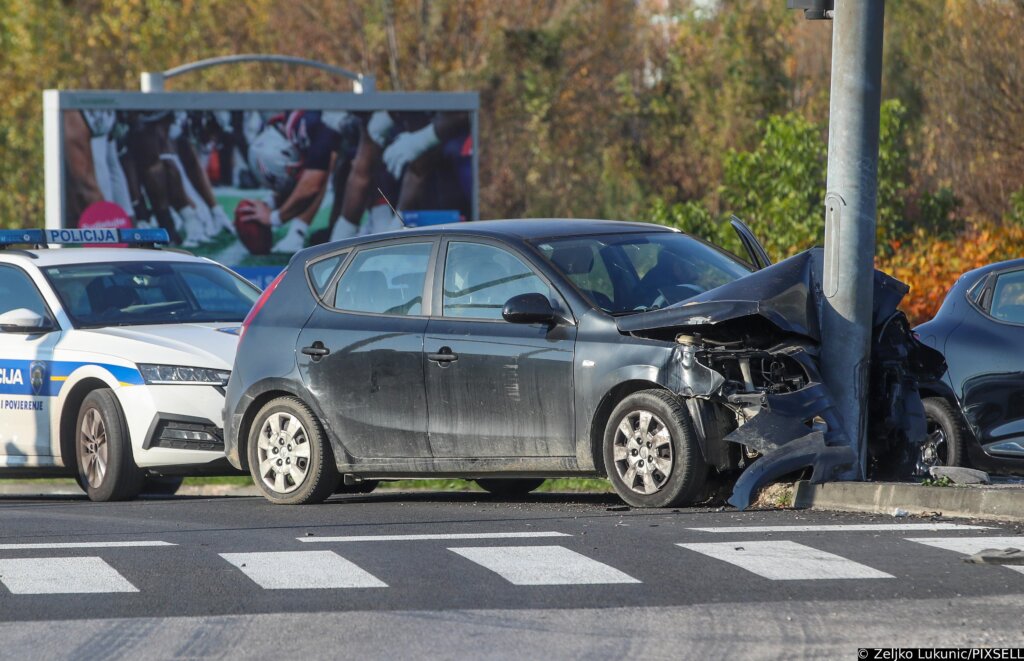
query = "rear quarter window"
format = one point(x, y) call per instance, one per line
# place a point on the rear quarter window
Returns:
point(322, 271)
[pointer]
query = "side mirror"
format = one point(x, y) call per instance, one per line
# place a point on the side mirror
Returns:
point(23, 320)
point(528, 309)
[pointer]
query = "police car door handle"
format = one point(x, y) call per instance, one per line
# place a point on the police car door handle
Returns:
point(317, 351)
point(443, 357)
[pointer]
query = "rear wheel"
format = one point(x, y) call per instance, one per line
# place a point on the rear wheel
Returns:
point(103, 450)
point(290, 458)
point(509, 488)
point(651, 452)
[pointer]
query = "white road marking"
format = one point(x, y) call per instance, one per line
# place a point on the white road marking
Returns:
point(302, 570)
point(61, 576)
point(785, 561)
point(418, 538)
point(542, 565)
point(847, 527)
point(80, 545)
point(971, 545)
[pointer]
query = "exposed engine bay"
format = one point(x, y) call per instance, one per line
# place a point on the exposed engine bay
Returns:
point(752, 348)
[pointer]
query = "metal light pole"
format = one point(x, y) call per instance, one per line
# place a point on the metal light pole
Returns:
point(850, 206)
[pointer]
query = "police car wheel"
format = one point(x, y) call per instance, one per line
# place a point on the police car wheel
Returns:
point(290, 457)
point(106, 467)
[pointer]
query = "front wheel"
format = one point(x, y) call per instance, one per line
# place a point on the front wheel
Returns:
point(103, 450)
point(509, 488)
point(944, 445)
point(290, 458)
point(651, 453)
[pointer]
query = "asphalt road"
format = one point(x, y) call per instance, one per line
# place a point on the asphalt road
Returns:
point(393, 575)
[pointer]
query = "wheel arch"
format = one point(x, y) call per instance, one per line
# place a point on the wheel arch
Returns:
point(249, 417)
point(72, 403)
point(604, 410)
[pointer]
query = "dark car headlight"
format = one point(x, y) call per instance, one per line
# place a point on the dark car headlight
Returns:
point(158, 375)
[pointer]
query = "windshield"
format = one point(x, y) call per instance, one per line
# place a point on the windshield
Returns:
point(139, 293)
point(623, 273)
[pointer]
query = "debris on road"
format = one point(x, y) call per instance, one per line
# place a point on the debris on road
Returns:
point(960, 475)
point(1008, 556)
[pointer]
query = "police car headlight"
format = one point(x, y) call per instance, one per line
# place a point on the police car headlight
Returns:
point(156, 375)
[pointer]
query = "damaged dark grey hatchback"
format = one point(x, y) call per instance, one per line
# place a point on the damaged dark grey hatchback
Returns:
point(513, 351)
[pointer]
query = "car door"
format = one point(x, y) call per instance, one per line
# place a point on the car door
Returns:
point(494, 388)
point(755, 251)
point(984, 355)
point(26, 391)
point(361, 351)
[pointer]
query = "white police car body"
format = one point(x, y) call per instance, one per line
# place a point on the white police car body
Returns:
point(113, 360)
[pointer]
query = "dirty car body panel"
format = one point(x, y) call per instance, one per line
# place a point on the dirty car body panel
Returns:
point(435, 381)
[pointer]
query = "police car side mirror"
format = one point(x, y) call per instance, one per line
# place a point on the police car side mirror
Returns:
point(23, 320)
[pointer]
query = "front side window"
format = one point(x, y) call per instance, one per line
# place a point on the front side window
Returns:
point(479, 279)
point(624, 273)
point(140, 293)
point(386, 280)
point(18, 291)
point(1008, 298)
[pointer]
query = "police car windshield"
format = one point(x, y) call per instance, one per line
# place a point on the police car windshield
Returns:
point(140, 293)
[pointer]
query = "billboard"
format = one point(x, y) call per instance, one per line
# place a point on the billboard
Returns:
point(248, 179)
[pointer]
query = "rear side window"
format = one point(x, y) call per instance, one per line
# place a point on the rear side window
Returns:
point(18, 291)
point(386, 280)
point(1008, 298)
point(321, 272)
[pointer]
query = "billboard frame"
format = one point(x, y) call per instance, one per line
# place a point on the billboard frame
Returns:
point(57, 101)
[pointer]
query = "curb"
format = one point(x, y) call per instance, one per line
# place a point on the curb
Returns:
point(1000, 503)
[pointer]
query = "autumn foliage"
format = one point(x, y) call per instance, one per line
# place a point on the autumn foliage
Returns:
point(931, 265)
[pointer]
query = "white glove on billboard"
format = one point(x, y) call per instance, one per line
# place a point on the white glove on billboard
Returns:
point(407, 147)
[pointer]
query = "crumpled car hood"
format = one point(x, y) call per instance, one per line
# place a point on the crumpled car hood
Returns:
point(780, 293)
point(796, 428)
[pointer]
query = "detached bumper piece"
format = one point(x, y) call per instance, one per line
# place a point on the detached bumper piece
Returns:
point(181, 435)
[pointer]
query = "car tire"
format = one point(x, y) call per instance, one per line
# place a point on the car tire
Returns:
point(290, 457)
point(509, 488)
point(660, 466)
point(363, 486)
point(103, 450)
point(946, 434)
point(164, 485)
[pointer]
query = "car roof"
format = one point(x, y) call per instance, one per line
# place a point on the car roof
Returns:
point(521, 228)
point(539, 228)
point(42, 257)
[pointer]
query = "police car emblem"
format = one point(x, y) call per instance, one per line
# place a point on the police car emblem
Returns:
point(37, 376)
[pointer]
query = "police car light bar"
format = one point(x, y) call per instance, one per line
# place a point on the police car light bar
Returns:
point(98, 235)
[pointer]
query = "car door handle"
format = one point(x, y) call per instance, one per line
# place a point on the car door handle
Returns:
point(316, 351)
point(443, 357)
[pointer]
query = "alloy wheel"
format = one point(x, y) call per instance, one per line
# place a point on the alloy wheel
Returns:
point(283, 453)
point(642, 452)
point(934, 450)
point(92, 442)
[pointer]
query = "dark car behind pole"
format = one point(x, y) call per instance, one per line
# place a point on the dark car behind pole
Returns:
point(513, 351)
point(976, 411)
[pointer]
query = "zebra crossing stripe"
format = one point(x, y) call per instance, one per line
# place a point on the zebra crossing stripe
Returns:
point(785, 560)
point(434, 536)
point(542, 565)
point(847, 527)
point(972, 545)
point(302, 570)
point(61, 576)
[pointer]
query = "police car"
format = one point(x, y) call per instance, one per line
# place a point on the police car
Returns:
point(113, 359)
